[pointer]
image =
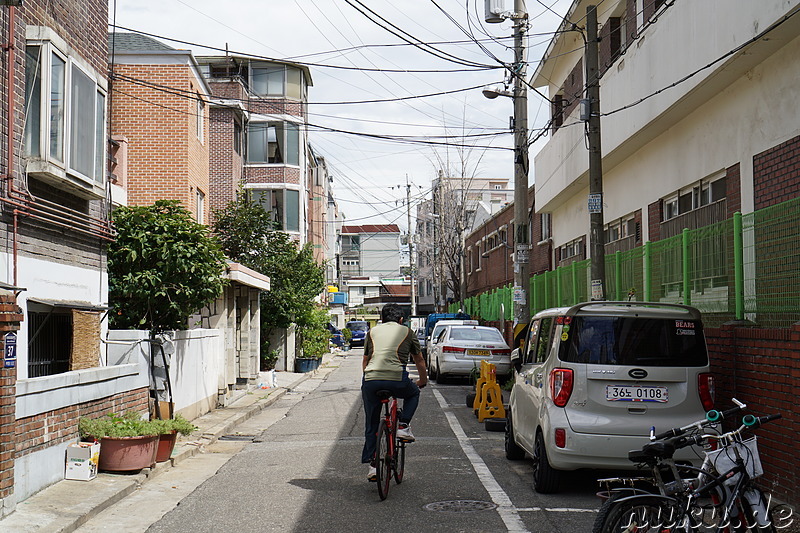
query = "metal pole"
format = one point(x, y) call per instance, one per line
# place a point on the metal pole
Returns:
point(411, 250)
point(521, 237)
point(596, 236)
point(738, 264)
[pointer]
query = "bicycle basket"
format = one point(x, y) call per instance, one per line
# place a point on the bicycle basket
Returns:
point(724, 459)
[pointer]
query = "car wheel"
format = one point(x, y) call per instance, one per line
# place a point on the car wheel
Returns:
point(512, 449)
point(495, 424)
point(432, 372)
point(471, 399)
point(440, 379)
point(545, 477)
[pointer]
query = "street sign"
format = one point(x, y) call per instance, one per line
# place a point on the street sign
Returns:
point(595, 203)
point(519, 295)
point(597, 289)
point(523, 253)
point(10, 350)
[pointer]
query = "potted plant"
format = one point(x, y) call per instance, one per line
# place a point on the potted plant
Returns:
point(127, 442)
point(347, 336)
point(314, 337)
point(168, 431)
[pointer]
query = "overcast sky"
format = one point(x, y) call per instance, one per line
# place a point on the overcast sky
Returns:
point(370, 174)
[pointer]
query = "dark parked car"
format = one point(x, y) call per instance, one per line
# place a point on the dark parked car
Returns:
point(337, 337)
point(359, 328)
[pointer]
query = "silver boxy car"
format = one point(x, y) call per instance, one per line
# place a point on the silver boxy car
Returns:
point(459, 350)
point(592, 379)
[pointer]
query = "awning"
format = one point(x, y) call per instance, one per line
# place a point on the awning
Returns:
point(69, 304)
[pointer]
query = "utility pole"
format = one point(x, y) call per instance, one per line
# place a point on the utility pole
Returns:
point(522, 269)
point(595, 201)
point(411, 249)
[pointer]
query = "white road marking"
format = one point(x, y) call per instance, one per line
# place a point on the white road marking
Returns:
point(505, 508)
point(554, 510)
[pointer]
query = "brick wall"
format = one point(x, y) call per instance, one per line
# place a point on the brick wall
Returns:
point(166, 160)
point(761, 368)
point(10, 318)
point(272, 174)
point(43, 430)
point(733, 189)
point(776, 174)
point(225, 167)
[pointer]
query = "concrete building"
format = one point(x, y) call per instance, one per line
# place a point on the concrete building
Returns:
point(370, 250)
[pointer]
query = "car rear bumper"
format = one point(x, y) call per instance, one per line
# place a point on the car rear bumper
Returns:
point(599, 451)
point(461, 367)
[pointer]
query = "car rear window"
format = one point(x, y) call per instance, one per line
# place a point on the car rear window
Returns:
point(633, 341)
point(472, 334)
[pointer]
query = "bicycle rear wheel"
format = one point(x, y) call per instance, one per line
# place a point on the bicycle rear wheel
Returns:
point(645, 514)
point(399, 460)
point(383, 460)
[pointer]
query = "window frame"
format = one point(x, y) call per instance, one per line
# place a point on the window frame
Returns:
point(284, 144)
point(284, 212)
point(49, 45)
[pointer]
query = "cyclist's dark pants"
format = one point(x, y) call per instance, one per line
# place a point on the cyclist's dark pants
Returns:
point(405, 389)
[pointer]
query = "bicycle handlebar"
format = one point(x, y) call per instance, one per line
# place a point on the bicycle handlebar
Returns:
point(712, 417)
point(753, 422)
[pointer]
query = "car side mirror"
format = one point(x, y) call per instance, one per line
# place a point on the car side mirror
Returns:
point(516, 360)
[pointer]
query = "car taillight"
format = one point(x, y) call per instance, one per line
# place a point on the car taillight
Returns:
point(453, 349)
point(561, 385)
point(561, 437)
point(705, 386)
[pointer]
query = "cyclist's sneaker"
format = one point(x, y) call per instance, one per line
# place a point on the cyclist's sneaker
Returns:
point(404, 433)
point(372, 475)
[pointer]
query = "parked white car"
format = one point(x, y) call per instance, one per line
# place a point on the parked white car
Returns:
point(592, 379)
point(459, 350)
point(438, 328)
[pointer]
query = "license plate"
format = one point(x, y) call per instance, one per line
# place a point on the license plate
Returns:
point(482, 353)
point(636, 393)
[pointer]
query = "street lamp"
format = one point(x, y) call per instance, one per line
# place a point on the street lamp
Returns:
point(495, 13)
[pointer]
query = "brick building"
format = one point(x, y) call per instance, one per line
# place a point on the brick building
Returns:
point(160, 107)
point(54, 229)
point(259, 110)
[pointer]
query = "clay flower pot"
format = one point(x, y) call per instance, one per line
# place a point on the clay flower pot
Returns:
point(166, 443)
point(127, 453)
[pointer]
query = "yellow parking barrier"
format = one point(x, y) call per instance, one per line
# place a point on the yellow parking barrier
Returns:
point(489, 397)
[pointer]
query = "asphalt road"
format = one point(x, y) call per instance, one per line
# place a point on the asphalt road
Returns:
point(302, 473)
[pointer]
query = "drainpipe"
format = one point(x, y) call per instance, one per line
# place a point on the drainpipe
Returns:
point(10, 110)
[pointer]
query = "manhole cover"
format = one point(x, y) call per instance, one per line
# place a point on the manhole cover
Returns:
point(460, 506)
point(237, 437)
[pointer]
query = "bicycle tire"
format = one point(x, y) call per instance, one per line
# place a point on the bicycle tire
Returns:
point(399, 461)
point(383, 460)
point(643, 514)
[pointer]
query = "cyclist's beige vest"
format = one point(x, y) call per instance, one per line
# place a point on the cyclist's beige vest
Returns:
point(389, 344)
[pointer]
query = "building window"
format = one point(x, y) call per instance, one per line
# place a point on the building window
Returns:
point(351, 243)
point(201, 205)
point(620, 229)
point(572, 249)
point(237, 138)
point(695, 196)
point(201, 106)
point(546, 225)
point(65, 113)
point(50, 343)
point(273, 143)
point(270, 79)
point(282, 204)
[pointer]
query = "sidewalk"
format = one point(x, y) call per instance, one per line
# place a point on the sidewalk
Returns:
point(66, 505)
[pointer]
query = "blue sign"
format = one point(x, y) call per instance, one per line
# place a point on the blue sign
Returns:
point(10, 350)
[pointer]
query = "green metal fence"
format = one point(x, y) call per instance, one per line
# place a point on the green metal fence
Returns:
point(744, 268)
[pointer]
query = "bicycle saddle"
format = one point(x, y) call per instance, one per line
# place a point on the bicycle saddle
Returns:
point(384, 394)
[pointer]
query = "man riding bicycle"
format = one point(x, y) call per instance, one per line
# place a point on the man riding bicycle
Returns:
point(386, 353)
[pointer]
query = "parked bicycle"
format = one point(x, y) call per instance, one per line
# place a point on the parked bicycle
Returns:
point(390, 453)
point(719, 496)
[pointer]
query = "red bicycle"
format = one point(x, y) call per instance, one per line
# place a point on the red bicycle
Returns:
point(390, 453)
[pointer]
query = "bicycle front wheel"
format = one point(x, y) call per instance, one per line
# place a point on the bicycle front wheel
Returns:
point(643, 514)
point(383, 460)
